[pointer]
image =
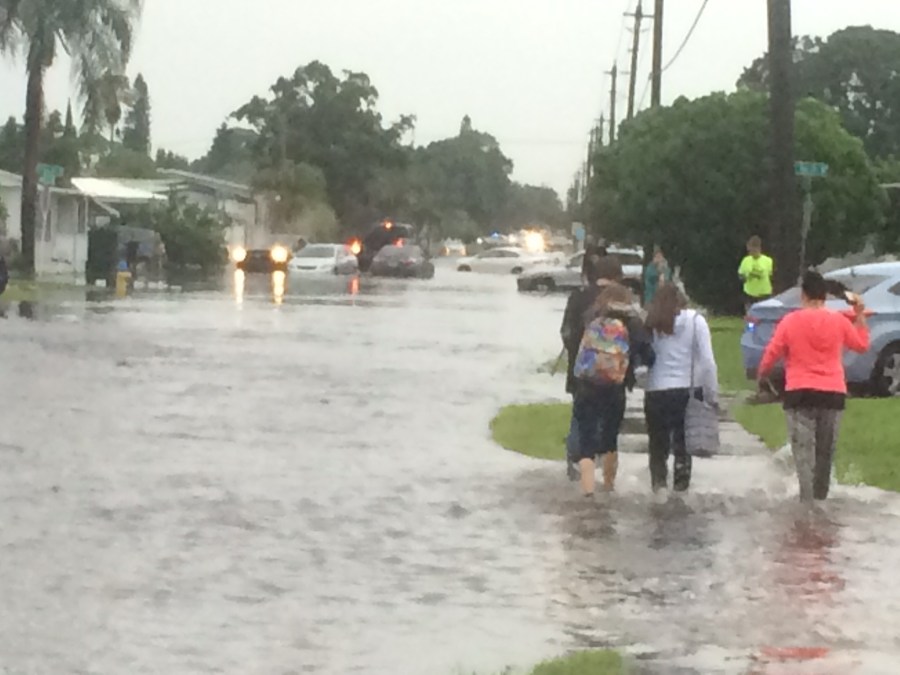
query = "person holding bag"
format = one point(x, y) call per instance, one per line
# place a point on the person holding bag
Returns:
point(682, 391)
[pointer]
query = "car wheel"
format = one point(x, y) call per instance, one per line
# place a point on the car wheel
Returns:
point(464, 268)
point(886, 378)
point(517, 270)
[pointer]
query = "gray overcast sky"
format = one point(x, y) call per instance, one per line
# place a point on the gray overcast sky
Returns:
point(528, 71)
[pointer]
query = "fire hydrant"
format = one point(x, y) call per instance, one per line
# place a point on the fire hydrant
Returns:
point(123, 279)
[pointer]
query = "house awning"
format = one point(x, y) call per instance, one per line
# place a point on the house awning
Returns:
point(113, 192)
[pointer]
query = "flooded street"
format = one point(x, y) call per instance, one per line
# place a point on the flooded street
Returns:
point(221, 483)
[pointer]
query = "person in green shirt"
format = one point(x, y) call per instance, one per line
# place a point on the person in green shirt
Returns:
point(657, 274)
point(756, 272)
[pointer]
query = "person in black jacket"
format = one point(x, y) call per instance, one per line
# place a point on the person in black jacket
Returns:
point(4, 274)
point(599, 272)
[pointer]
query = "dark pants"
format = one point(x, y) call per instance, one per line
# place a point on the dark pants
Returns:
point(665, 412)
point(814, 435)
point(599, 411)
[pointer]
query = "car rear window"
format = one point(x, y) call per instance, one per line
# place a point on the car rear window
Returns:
point(397, 252)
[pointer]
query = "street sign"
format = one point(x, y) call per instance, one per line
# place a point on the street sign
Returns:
point(811, 169)
point(48, 174)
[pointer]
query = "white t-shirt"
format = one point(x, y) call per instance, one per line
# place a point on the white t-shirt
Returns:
point(675, 353)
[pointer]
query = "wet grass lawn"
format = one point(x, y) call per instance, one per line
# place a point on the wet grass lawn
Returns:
point(537, 430)
point(39, 291)
point(868, 444)
point(584, 663)
point(726, 339)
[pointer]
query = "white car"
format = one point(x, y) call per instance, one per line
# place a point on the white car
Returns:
point(505, 260)
point(324, 259)
point(568, 277)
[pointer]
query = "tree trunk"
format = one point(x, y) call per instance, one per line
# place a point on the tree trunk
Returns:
point(34, 109)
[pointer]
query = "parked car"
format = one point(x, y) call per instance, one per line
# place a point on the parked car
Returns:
point(568, 277)
point(879, 285)
point(505, 260)
point(324, 259)
point(453, 247)
point(403, 260)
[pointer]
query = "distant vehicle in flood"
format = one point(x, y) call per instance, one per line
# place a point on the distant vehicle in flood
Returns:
point(505, 260)
point(568, 277)
point(385, 233)
point(324, 259)
point(402, 260)
point(261, 260)
point(453, 247)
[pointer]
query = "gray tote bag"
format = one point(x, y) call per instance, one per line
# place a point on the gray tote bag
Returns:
point(701, 420)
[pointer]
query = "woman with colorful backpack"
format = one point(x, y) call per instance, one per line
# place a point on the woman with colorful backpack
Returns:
point(613, 345)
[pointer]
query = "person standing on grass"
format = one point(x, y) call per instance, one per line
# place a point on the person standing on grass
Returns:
point(613, 345)
point(811, 342)
point(657, 274)
point(756, 272)
point(684, 357)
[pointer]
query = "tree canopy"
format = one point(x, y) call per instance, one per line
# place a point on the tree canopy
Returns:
point(694, 179)
point(137, 134)
point(856, 71)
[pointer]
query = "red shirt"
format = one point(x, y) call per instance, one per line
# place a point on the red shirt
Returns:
point(812, 342)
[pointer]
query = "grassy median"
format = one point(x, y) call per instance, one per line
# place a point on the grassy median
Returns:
point(604, 662)
point(537, 430)
point(867, 447)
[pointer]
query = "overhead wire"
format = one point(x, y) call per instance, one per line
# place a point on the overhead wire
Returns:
point(688, 37)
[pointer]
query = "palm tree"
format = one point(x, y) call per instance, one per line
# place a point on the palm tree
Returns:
point(103, 100)
point(96, 34)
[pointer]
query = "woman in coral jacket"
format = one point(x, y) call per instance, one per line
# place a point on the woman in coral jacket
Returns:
point(811, 342)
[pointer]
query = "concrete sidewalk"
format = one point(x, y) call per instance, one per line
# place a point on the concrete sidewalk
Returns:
point(736, 441)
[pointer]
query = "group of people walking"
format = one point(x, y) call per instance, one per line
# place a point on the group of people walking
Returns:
point(609, 339)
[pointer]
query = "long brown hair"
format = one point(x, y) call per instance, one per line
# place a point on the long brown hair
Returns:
point(666, 305)
point(613, 296)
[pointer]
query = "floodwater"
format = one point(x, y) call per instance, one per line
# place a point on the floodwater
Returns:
point(298, 478)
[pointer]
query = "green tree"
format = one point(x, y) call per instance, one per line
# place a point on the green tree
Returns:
point(12, 146)
point(332, 123)
point(293, 190)
point(855, 71)
point(231, 156)
point(97, 35)
point(694, 179)
point(105, 98)
point(532, 205)
point(166, 159)
point(194, 237)
point(137, 135)
point(121, 162)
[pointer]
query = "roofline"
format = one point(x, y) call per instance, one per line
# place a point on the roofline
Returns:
point(210, 181)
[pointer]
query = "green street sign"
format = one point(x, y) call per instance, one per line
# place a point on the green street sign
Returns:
point(48, 174)
point(811, 169)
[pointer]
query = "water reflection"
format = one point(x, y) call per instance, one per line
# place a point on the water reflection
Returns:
point(279, 286)
point(240, 280)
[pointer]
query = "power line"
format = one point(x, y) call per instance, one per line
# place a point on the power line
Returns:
point(687, 37)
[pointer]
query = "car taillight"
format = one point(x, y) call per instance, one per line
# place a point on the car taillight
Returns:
point(408, 261)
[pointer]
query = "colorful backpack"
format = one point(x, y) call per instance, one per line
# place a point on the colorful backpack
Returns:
point(604, 354)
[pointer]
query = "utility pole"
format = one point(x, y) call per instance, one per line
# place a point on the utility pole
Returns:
point(614, 73)
point(635, 49)
point(590, 153)
point(601, 128)
point(656, 86)
point(784, 235)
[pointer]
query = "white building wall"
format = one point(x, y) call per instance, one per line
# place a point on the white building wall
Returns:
point(62, 245)
point(12, 201)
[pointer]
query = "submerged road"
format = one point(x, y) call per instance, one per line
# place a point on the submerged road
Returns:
point(220, 483)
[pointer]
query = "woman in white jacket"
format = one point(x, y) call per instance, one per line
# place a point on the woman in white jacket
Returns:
point(684, 358)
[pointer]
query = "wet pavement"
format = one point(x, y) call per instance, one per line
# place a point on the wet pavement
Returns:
point(299, 479)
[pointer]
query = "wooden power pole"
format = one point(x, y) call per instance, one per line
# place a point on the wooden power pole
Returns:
point(614, 73)
point(632, 82)
point(656, 85)
point(784, 233)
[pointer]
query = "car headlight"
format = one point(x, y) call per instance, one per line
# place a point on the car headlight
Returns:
point(238, 254)
point(280, 255)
